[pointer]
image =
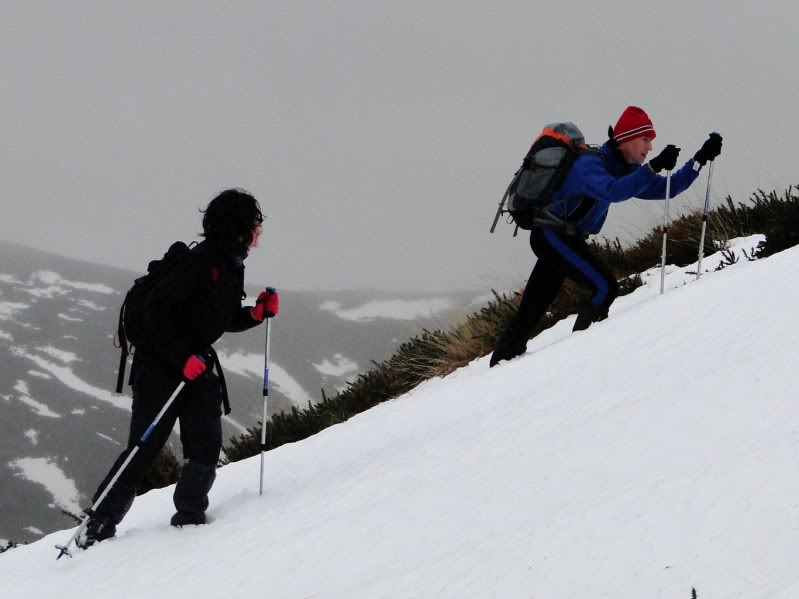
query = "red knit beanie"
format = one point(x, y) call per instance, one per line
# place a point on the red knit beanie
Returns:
point(632, 123)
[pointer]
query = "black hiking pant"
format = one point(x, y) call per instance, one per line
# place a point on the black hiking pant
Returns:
point(198, 407)
point(562, 257)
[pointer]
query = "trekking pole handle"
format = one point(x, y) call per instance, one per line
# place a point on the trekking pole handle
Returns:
point(707, 191)
point(267, 340)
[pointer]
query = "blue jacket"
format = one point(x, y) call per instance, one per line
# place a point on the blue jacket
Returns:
point(595, 182)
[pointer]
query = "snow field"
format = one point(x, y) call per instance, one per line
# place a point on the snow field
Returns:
point(653, 453)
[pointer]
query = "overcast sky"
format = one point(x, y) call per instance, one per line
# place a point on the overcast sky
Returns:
point(378, 136)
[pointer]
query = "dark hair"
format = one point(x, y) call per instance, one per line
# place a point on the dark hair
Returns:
point(232, 216)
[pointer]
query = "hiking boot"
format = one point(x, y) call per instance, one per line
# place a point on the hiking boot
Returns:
point(584, 319)
point(588, 315)
point(97, 529)
point(508, 346)
point(187, 518)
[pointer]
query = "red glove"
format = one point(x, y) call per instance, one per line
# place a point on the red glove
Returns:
point(194, 367)
point(267, 305)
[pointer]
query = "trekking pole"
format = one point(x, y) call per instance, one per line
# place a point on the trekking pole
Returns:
point(266, 398)
point(665, 233)
point(64, 549)
point(704, 222)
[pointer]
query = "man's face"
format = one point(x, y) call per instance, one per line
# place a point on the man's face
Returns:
point(635, 150)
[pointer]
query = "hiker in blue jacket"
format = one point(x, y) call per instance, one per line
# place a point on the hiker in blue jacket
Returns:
point(596, 180)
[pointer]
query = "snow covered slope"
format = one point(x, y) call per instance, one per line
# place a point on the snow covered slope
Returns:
point(653, 453)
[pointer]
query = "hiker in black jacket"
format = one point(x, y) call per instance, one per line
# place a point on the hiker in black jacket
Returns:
point(185, 313)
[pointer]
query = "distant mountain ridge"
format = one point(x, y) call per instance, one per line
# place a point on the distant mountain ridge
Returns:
point(61, 425)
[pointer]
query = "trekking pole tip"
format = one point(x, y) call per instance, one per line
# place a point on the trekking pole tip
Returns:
point(62, 551)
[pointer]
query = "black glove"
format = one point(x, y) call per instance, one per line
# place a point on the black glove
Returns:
point(666, 159)
point(710, 150)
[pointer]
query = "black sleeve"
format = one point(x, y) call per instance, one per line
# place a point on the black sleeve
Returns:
point(167, 302)
point(242, 321)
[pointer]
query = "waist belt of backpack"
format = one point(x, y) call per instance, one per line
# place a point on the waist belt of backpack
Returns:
point(550, 221)
point(222, 384)
point(568, 224)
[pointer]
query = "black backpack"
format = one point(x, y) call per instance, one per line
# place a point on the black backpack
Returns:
point(529, 196)
point(131, 331)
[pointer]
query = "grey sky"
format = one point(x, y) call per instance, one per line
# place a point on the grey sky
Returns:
point(378, 136)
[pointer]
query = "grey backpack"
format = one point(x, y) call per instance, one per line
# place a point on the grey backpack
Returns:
point(543, 171)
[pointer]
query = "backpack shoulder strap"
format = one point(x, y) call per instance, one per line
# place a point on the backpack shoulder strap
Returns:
point(222, 384)
point(124, 346)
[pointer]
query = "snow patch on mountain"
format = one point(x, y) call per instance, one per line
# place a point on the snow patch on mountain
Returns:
point(45, 284)
point(339, 366)
point(65, 356)
point(234, 423)
point(24, 396)
point(71, 380)
point(252, 365)
point(391, 309)
point(8, 310)
point(740, 249)
point(33, 435)
point(45, 472)
point(40, 375)
point(49, 292)
point(91, 305)
point(69, 318)
point(49, 277)
point(11, 279)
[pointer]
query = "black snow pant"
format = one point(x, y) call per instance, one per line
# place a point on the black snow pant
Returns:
point(562, 257)
point(198, 407)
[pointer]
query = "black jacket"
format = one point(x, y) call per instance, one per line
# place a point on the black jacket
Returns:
point(198, 301)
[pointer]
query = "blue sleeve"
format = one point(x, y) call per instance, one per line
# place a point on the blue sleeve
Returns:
point(597, 183)
point(680, 181)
